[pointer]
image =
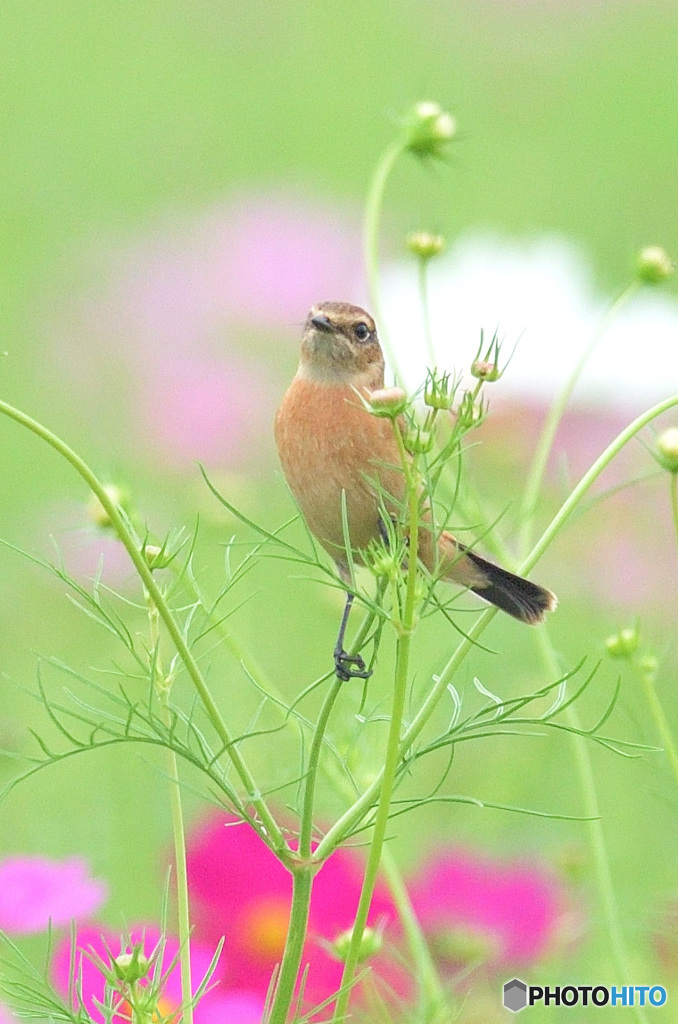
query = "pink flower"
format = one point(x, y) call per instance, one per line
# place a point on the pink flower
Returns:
point(173, 328)
point(216, 1006)
point(202, 409)
point(477, 910)
point(239, 890)
point(35, 891)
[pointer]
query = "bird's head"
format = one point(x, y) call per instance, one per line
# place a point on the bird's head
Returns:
point(340, 346)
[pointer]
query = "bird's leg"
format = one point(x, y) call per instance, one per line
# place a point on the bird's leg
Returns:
point(348, 666)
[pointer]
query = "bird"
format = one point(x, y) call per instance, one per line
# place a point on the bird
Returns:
point(340, 461)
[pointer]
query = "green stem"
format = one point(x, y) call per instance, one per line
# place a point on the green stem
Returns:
point(375, 199)
point(601, 858)
point(303, 871)
point(536, 476)
point(271, 833)
point(294, 944)
point(426, 313)
point(660, 719)
point(405, 629)
point(312, 770)
point(433, 1000)
point(162, 685)
point(355, 814)
point(674, 501)
point(301, 893)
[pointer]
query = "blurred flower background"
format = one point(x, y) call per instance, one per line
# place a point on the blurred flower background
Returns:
point(179, 183)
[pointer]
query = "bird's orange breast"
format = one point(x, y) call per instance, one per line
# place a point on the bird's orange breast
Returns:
point(330, 444)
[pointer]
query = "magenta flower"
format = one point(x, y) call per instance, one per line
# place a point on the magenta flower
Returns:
point(476, 910)
point(216, 1006)
point(35, 891)
point(239, 890)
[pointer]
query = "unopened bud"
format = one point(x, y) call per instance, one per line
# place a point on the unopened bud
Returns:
point(156, 557)
point(653, 264)
point(667, 449)
point(131, 967)
point(439, 392)
point(381, 561)
point(470, 413)
point(485, 370)
point(425, 245)
point(624, 644)
point(96, 511)
point(370, 944)
point(429, 129)
point(418, 441)
point(388, 402)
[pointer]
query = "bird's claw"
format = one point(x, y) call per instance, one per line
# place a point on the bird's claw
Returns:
point(350, 666)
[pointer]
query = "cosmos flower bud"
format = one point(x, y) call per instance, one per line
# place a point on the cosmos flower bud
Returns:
point(623, 644)
point(653, 264)
point(425, 245)
point(96, 511)
point(429, 129)
point(667, 449)
point(388, 402)
point(157, 557)
point(470, 413)
point(419, 441)
point(439, 392)
point(484, 369)
point(370, 944)
point(131, 967)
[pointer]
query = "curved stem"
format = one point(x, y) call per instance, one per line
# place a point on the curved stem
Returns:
point(312, 770)
point(555, 414)
point(270, 832)
point(674, 501)
point(375, 199)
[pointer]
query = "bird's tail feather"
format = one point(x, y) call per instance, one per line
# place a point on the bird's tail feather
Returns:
point(521, 598)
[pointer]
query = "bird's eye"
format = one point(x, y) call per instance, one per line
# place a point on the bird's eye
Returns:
point(361, 331)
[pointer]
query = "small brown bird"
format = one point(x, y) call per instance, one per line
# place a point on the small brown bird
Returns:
point(330, 445)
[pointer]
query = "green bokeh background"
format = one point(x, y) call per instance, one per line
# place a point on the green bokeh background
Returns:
point(119, 115)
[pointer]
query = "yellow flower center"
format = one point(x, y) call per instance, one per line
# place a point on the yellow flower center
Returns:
point(265, 928)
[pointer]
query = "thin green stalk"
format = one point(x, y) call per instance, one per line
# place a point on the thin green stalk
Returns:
point(426, 314)
point(355, 814)
point(601, 858)
point(271, 831)
point(302, 881)
point(301, 891)
point(312, 769)
point(648, 675)
point(405, 630)
point(536, 475)
point(375, 199)
point(162, 685)
point(433, 1001)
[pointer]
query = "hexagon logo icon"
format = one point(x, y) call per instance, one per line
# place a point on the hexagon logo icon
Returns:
point(515, 995)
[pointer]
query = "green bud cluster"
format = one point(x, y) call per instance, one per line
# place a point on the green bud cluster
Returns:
point(425, 245)
point(653, 265)
point(429, 129)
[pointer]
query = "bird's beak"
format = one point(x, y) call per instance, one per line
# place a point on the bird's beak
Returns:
point(322, 323)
